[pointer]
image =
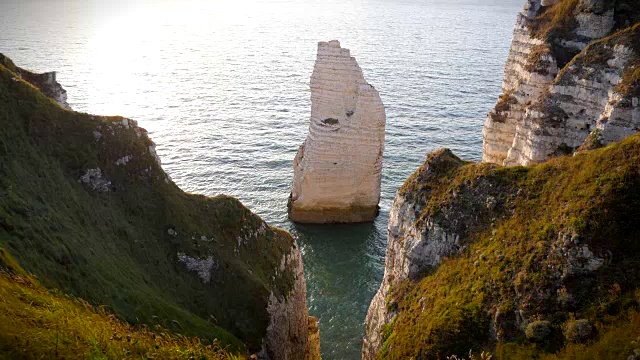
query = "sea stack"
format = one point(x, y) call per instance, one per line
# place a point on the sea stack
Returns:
point(338, 168)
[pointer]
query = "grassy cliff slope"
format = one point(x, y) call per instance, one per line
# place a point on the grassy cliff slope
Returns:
point(37, 323)
point(86, 207)
point(549, 269)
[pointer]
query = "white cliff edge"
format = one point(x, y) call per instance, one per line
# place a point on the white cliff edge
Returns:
point(291, 334)
point(413, 246)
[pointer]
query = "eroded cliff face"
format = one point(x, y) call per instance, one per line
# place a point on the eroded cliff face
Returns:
point(517, 261)
point(86, 205)
point(564, 78)
point(337, 171)
point(287, 333)
point(423, 231)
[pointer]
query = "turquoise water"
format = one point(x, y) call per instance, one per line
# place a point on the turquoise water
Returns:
point(222, 86)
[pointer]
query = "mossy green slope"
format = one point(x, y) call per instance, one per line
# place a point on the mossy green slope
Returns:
point(120, 244)
point(525, 279)
point(39, 324)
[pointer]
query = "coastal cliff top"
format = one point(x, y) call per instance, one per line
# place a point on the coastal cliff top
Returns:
point(541, 247)
point(86, 207)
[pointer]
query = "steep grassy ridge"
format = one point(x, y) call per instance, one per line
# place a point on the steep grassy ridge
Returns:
point(37, 323)
point(548, 273)
point(86, 207)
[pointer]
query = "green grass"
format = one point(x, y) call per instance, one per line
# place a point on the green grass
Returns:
point(512, 264)
point(618, 338)
point(556, 20)
point(114, 248)
point(36, 323)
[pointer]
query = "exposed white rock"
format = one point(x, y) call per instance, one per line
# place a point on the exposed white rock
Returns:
point(519, 86)
point(94, 180)
point(124, 160)
point(595, 26)
point(582, 99)
point(416, 244)
point(337, 171)
point(152, 151)
point(46, 82)
point(581, 259)
point(544, 112)
point(412, 247)
point(55, 90)
point(203, 267)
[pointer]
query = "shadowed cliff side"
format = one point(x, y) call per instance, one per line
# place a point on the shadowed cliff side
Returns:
point(87, 208)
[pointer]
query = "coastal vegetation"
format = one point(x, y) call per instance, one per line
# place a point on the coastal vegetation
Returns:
point(39, 323)
point(86, 208)
point(547, 273)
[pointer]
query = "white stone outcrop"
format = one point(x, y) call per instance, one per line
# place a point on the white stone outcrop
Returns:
point(337, 170)
point(545, 112)
point(95, 180)
point(402, 220)
point(52, 88)
point(46, 82)
point(520, 84)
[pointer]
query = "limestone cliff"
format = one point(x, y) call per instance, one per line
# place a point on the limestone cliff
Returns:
point(572, 69)
point(518, 262)
point(87, 208)
point(288, 333)
point(337, 171)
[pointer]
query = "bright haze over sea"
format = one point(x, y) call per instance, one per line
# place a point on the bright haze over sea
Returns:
point(222, 87)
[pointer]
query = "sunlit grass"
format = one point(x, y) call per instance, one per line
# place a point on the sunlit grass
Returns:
point(511, 264)
point(36, 323)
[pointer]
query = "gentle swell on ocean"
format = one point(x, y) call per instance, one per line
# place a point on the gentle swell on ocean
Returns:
point(223, 89)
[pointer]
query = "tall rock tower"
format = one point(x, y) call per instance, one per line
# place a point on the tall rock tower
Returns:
point(338, 168)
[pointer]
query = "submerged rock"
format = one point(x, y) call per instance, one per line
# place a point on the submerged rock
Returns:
point(337, 170)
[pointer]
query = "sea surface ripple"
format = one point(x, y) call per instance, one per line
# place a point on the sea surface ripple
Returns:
point(223, 88)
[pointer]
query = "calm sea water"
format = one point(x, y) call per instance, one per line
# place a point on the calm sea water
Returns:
point(222, 87)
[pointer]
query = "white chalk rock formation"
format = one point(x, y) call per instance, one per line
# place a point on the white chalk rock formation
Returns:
point(337, 170)
point(414, 243)
point(556, 90)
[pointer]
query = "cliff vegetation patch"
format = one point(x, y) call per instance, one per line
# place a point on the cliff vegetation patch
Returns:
point(547, 277)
